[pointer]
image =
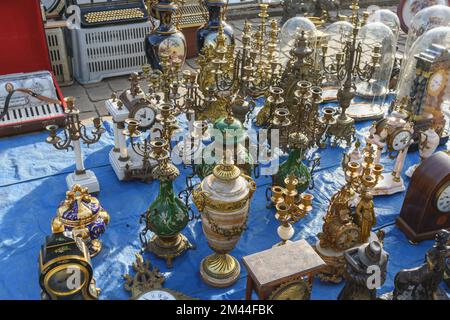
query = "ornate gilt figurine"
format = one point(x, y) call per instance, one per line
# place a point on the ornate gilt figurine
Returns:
point(223, 199)
point(82, 214)
point(345, 227)
point(147, 283)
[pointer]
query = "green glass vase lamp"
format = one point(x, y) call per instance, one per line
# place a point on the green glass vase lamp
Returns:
point(166, 38)
point(294, 164)
point(167, 216)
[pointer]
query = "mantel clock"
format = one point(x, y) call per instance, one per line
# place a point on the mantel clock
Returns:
point(430, 87)
point(61, 259)
point(426, 208)
point(146, 284)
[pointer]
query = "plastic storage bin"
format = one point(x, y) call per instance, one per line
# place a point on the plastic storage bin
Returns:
point(110, 51)
point(59, 58)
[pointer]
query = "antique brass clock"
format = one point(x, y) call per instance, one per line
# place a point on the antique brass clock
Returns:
point(426, 208)
point(295, 290)
point(438, 82)
point(65, 271)
point(138, 104)
point(146, 284)
point(429, 88)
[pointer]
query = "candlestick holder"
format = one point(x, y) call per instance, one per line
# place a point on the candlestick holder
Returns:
point(291, 207)
point(74, 131)
point(346, 67)
point(247, 72)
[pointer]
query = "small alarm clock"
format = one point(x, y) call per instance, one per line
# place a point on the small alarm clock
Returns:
point(426, 208)
point(65, 270)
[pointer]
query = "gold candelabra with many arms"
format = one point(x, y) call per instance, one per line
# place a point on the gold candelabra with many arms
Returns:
point(347, 67)
point(234, 74)
point(291, 207)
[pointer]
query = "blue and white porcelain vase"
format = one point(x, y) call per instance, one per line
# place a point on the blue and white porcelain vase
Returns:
point(207, 34)
point(165, 39)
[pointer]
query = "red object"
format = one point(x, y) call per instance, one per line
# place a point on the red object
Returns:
point(23, 48)
point(191, 40)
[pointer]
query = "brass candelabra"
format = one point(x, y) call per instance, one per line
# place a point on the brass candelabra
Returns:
point(246, 72)
point(291, 207)
point(144, 146)
point(347, 67)
point(75, 131)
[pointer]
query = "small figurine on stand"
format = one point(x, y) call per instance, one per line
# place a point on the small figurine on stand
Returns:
point(422, 283)
point(428, 143)
point(362, 263)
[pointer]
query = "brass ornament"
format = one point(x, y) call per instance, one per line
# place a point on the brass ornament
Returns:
point(351, 213)
point(148, 281)
point(291, 207)
point(346, 68)
point(295, 290)
point(82, 214)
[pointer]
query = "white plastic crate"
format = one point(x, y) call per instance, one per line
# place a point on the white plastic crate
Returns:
point(58, 56)
point(109, 51)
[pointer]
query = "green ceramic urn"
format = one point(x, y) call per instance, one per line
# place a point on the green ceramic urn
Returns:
point(298, 143)
point(233, 136)
point(167, 216)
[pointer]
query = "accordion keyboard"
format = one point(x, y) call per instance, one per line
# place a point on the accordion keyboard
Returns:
point(31, 113)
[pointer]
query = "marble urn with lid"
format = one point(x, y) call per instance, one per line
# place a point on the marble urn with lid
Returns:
point(223, 199)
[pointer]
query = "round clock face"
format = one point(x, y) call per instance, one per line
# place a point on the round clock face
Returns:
point(443, 199)
point(437, 83)
point(66, 279)
point(146, 116)
point(401, 140)
point(347, 238)
point(298, 290)
point(156, 295)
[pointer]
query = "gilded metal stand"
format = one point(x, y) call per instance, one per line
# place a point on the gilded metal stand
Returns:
point(169, 248)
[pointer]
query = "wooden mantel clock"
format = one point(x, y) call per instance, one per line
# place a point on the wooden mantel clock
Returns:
point(426, 208)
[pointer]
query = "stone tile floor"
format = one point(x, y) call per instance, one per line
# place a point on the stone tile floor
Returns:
point(90, 99)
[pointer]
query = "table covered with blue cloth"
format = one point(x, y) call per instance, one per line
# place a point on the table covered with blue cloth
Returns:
point(32, 184)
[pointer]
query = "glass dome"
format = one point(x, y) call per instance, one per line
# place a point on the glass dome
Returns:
point(388, 18)
point(292, 28)
point(437, 36)
point(425, 20)
point(336, 34)
point(372, 34)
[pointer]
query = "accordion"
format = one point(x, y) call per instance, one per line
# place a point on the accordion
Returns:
point(99, 13)
point(28, 102)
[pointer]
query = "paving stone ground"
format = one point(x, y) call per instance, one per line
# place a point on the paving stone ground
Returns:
point(91, 98)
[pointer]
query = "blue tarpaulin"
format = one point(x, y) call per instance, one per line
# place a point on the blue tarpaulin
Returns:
point(32, 184)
